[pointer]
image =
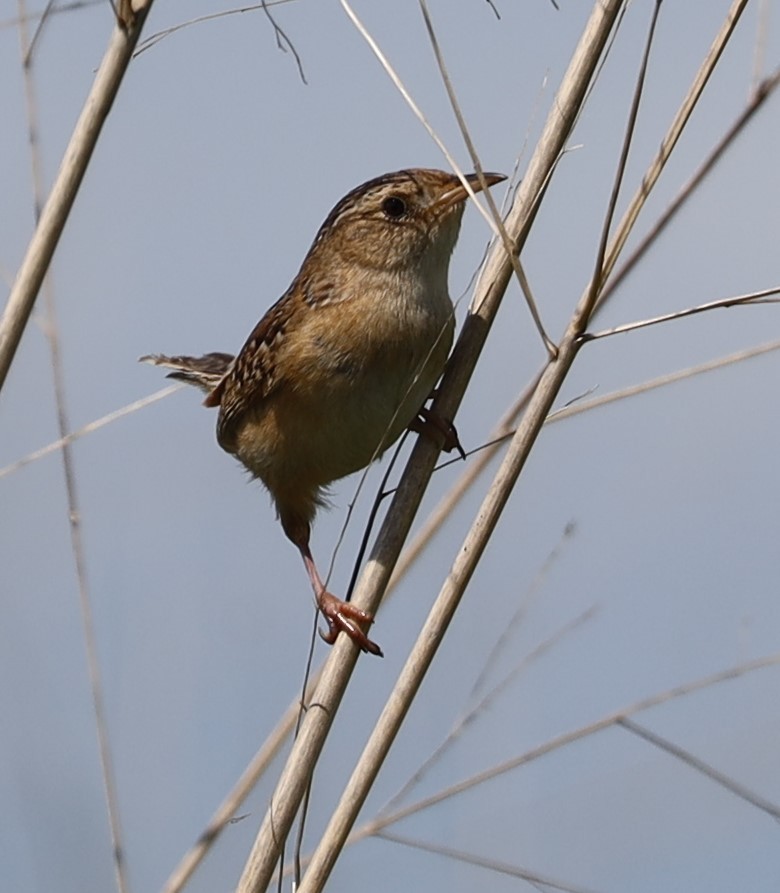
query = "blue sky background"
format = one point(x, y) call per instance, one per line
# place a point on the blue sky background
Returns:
point(209, 182)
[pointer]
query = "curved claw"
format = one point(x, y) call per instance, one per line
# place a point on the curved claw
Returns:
point(438, 429)
point(343, 617)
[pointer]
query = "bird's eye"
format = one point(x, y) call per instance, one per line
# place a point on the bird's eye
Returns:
point(394, 207)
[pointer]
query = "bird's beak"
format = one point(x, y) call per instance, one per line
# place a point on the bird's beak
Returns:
point(457, 192)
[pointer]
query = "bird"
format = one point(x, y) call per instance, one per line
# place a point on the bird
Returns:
point(345, 360)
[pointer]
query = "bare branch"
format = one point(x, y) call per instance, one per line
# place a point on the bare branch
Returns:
point(155, 38)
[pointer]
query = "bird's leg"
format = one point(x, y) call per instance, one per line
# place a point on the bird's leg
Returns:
point(435, 426)
point(295, 513)
point(340, 615)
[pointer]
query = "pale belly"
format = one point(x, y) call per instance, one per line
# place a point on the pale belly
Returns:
point(324, 434)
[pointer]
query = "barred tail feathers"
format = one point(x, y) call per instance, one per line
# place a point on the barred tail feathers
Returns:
point(204, 372)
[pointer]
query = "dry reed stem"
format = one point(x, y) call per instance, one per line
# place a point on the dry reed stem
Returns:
point(506, 425)
point(496, 275)
point(550, 382)
point(258, 764)
point(504, 429)
point(55, 212)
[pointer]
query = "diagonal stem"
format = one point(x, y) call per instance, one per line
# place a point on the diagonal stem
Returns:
point(498, 270)
point(74, 165)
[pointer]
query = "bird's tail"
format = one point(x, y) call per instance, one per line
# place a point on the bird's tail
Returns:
point(204, 372)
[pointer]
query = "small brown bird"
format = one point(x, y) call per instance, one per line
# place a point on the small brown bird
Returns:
point(344, 361)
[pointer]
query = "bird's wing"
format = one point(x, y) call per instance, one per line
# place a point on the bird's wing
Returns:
point(253, 374)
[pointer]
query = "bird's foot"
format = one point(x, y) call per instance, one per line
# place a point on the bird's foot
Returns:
point(437, 428)
point(344, 617)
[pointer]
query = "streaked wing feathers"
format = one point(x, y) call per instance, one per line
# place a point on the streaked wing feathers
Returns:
point(253, 374)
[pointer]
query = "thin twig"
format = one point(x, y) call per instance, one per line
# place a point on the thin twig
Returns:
point(155, 38)
point(626, 225)
point(496, 865)
point(394, 77)
point(505, 635)
point(700, 766)
point(484, 703)
point(283, 42)
point(663, 381)
point(23, 19)
point(750, 299)
point(759, 96)
point(89, 428)
point(475, 160)
point(762, 31)
point(598, 278)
